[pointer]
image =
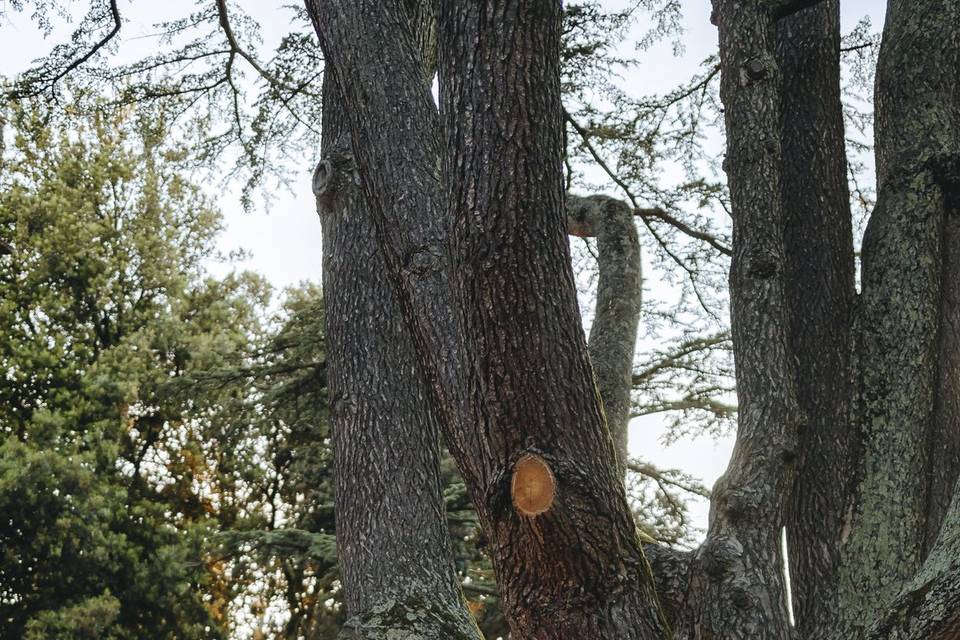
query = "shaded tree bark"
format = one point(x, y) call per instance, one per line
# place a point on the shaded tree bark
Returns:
point(944, 441)
point(737, 586)
point(820, 287)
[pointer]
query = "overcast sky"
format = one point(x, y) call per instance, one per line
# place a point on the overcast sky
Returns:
point(285, 241)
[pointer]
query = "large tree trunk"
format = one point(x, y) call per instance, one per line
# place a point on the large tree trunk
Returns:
point(820, 288)
point(903, 260)
point(482, 288)
point(507, 362)
point(396, 564)
point(529, 384)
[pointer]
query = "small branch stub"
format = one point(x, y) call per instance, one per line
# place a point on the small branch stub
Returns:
point(533, 487)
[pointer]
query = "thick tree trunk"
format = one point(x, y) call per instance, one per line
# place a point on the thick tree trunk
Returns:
point(396, 564)
point(613, 334)
point(737, 584)
point(530, 385)
point(917, 135)
point(820, 288)
point(507, 363)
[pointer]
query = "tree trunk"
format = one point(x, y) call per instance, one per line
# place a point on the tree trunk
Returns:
point(396, 563)
point(820, 287)
point(529, 383)
point(916, 136)
point(507, 362)
point(737, 585)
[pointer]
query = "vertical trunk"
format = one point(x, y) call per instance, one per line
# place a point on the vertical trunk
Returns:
point(507, 364)
point(737, 588)
point(820, 288)
point(916, 133)
point(613, 334)
point(396, 563)
point(569, 566)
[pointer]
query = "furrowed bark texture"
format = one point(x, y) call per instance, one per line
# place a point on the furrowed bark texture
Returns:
point(737, 585)
point(395, 136)
point(396, 564)
point(577, 569)
point(507, 364)
point(820, 288)
point(916, 136)
point(613, 334)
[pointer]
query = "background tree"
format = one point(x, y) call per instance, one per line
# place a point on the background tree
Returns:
point(150, 416)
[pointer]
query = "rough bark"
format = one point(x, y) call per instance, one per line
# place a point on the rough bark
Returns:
point(396, 564)
point(507, 364)
point(613, 334)
point(737, 585)
point(576, 570)
point(916, 135)
point(944, 440)
point(820, 288)
point(929, 608)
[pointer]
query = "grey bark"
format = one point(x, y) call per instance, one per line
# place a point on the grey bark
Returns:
point(944, 441)
point(820, 288)
point(737, 588)
point(396, 563)
point(929, 607)
point(613, 334)
point(917, 114)
point(507, 363)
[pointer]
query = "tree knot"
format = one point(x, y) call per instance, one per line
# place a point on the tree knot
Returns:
point(422, 260)
point(753, 70)
point(761, 264)
point(333, 174)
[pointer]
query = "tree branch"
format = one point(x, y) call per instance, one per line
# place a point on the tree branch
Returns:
point(236, 49)
point(660, 475)
point(613, 335)
point(644, 213)
point(115, 14)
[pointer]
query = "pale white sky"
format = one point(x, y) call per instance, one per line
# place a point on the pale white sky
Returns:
point(285, 241)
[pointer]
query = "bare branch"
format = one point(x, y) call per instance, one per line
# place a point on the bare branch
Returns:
point(236, 49)
point(668, 476)
point(117, 22)
point(646, 213)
